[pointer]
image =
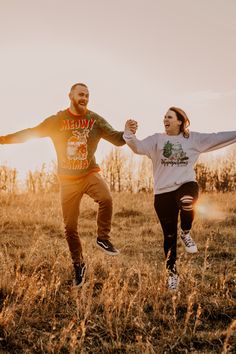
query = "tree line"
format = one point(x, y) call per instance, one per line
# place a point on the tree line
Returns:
point(125, 172)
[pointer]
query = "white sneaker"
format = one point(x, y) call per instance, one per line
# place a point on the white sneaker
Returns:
point(173, 281)
point(190, 245)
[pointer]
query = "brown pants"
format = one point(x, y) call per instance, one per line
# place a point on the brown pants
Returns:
point(71, 195)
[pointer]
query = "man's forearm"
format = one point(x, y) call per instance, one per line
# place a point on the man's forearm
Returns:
point(16, 138)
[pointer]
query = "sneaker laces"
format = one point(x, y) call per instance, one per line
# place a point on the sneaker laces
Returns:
point(173, 281)
point(188, 240)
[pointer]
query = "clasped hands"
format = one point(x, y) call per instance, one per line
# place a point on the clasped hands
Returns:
point(131, 125)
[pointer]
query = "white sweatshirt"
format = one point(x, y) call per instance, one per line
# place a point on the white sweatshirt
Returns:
point(173, 156)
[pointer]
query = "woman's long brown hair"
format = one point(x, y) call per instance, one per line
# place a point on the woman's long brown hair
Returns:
point(182, 116)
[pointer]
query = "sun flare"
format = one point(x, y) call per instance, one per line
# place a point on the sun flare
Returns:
point(209, 210)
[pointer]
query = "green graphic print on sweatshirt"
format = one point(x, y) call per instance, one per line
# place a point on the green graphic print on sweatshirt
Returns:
point(75, 139)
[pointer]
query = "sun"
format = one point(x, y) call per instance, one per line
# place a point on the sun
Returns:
point(28, 156)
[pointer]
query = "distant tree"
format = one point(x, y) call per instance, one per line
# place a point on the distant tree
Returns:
point(130, 183)
point(202, 176)
point(218, 175)
point(43, 180)
point(8, 179)
point(113, 169)
point(145, 175)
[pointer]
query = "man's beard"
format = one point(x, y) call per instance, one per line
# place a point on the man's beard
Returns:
point(79, 109)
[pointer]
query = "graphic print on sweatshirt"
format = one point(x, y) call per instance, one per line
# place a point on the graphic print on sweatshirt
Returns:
point(76, 145)
point(174, 155)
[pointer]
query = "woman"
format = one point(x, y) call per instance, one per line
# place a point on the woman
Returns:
point(174, 154)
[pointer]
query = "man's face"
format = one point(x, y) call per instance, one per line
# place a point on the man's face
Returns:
point(79, 97)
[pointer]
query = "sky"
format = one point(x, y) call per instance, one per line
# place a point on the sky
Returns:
point(138, 57)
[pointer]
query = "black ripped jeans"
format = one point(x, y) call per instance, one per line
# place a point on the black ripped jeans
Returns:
point(167, 206)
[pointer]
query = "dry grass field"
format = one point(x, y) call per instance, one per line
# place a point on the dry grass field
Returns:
point(124, 306)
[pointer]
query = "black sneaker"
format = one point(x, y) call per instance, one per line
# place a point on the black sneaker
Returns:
point(107, 247)
point(80, 270)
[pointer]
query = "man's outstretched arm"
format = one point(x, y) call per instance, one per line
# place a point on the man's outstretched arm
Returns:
point(22, 136)
point(17, 137)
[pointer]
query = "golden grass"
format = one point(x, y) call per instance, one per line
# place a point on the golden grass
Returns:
point(124, 306)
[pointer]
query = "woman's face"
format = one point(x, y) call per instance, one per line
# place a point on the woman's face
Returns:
point(171, 123)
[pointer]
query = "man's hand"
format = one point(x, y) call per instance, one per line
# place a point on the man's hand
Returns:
point(131, 125)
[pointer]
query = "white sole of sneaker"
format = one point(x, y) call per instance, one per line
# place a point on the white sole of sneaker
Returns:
point(80, 285)
point(191, 251)
point(108, 252)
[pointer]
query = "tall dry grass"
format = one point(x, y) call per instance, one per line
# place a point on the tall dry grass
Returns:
point(124, 306)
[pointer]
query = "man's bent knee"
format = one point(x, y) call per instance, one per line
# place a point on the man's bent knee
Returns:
point(107, 200)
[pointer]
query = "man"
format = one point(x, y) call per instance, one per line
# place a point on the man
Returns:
point(75, 133)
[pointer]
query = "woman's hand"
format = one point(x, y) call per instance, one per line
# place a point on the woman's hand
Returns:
point(131, 125)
